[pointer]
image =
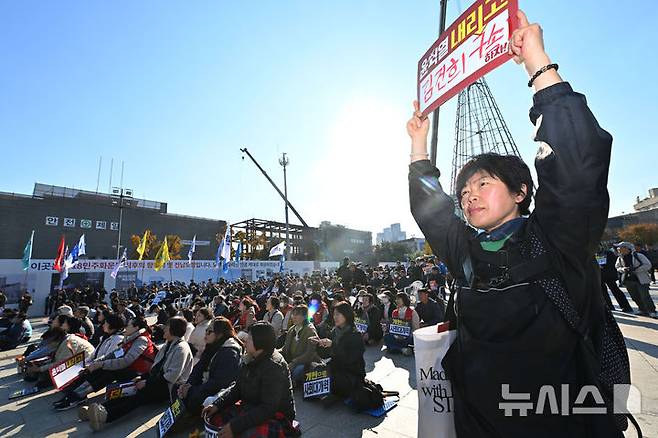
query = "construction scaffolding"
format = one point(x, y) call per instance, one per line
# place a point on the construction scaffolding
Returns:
point(479, 128)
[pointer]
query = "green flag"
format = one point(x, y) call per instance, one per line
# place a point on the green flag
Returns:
point(27, 253)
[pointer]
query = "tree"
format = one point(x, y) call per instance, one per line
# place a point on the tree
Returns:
point(151, 241)
point(391, 252)
point(644, 234)
point(153, 245)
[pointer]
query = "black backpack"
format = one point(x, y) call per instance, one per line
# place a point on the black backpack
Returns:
point(370, 396)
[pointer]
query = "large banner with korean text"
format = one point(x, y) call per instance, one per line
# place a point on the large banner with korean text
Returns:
point(476, 43)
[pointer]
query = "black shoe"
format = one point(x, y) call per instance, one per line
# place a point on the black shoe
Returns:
point(70, 402)
point(60, 401)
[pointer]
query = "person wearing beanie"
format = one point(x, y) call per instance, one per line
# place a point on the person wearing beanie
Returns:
point(263, 388)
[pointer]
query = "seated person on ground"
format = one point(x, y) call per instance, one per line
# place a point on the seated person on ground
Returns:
point(217, 368)
point(95, 377)
point(406, 318)
point(370, 315)
point(65, 345)
point(429, 311)
point(18, 332)
point(297, 350)
point(263, 389)
point(172, 365)
point(345, 348)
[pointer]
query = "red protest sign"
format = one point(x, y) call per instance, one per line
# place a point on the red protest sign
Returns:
point(476, 43)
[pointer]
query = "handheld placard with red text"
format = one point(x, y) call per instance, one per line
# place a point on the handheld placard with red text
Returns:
point(476, 43)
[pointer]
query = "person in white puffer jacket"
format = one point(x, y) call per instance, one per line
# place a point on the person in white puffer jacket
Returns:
point(197, 340)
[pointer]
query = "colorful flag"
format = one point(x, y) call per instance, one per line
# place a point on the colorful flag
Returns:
point(73, 256)
point(190, 253)
point(141, 249)
point(238, 252)
point(59, 260)
point(65, 269)
point(27, 252)
point(162, 256)
point(122, 262)
point(279, 249)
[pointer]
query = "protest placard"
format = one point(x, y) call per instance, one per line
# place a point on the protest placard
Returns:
point(317, 384)
point(169, 417)
point(400, 327)
point(114, 391)
point(476, 43)
point(65, 372)
point(361, 325)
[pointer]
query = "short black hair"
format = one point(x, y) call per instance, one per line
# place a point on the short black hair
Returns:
point(115, 322)
point(510, 169)
point(264, 338)
point(177, 326)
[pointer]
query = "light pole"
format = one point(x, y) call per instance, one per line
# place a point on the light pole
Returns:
point(283, 161)
point(119, 196)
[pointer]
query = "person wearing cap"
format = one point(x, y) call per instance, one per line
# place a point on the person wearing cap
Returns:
point(634, 268)
point(65, 310)
point(82, 313)
point(263, 388)
point(430, 311)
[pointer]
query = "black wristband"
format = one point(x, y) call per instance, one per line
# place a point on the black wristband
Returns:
point(544, 69)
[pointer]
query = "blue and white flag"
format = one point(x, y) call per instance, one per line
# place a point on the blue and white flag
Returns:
point(226, 245)
point(77, 251)
point(121, 264)
point(282, 262)
point(278, 250)
point(238, 252)
point(190, 253)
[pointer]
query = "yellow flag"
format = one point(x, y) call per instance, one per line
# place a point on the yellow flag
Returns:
point(142, 245)
point(162, 257)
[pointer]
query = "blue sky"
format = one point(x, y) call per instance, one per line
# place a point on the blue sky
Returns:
point(175, 88)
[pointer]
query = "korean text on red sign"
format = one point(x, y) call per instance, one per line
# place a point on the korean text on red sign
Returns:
point(476, 43)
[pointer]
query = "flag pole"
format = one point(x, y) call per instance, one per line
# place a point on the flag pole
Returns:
point(171, 276)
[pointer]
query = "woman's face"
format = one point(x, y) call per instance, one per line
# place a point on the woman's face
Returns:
point(106, 328)
point(339, 319)
point(242, 307)
point(268, 305)
point(66, 327)
point(211, 337)
point(399, 302)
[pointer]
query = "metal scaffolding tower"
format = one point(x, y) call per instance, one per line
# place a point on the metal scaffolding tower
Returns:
point(479, 128)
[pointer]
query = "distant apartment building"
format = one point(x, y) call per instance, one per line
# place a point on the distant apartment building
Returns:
point(391, 234)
